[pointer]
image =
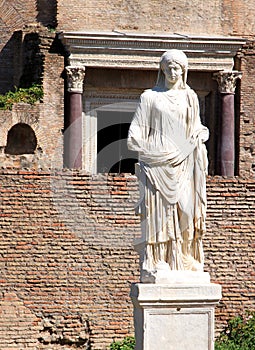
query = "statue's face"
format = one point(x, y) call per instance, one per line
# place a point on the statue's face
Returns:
point(172, 71)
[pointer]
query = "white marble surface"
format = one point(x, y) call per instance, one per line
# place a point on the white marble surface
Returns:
point(174, 317)
point(167, 133)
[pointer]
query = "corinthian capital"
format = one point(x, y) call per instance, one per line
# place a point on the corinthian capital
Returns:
point(75, 76)
point(227, 81)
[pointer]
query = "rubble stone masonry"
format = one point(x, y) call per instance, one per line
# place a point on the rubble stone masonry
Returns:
point(155, 16)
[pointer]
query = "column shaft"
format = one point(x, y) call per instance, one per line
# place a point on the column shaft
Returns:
point(227, 84)
point(227, 135)
point(73, 131)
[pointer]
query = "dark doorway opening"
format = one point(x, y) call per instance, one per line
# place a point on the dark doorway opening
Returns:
point(113, 156)
point(21, 139)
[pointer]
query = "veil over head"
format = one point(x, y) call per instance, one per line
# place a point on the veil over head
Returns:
point(176, 56)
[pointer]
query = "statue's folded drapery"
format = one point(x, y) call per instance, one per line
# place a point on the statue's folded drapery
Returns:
point(167, 132)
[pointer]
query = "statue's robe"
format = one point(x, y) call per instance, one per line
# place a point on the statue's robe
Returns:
point(167, 132)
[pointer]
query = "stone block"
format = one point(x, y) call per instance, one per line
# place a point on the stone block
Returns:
point(174, 316)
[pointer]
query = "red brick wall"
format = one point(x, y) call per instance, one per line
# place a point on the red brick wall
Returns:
point(67, 259)
point(229, 243)
point(14, 15)
point(46, 118)
point(247, 118)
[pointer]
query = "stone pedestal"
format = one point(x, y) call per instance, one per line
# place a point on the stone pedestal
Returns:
point(178, 316)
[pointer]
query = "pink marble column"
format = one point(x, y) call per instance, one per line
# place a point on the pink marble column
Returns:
point(227, 84)
point(73, 132)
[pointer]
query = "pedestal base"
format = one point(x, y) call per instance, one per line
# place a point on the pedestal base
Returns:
point(174, 316)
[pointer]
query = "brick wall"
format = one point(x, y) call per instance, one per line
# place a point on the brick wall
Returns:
point(14, 15)
point(66, 255)
point(229, 243)
point(247, 119)
point(46, 118)
point(67, 259)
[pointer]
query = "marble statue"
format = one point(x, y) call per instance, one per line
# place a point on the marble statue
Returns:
point(167, 133)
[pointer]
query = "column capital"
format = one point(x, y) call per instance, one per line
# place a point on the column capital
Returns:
point(227, 81)
point(75, 76)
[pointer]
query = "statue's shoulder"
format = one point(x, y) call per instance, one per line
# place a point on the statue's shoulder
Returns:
point(190, 91)
point(148, 95)
point(192, 95)
point(148, 92)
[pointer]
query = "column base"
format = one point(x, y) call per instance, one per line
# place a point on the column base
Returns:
point(174, 316)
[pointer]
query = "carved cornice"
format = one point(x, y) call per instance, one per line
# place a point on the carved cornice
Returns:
point(125, 50)
point(110, 100)
point(75, 76)
point(227, 81)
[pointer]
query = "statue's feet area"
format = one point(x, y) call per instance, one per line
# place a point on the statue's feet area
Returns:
point(167, 276)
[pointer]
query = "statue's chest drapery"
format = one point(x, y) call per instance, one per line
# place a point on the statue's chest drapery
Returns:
point(168, 118)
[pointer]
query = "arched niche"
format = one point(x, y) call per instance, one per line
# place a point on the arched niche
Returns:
point(21, 139)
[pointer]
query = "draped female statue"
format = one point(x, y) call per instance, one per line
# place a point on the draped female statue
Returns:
point(167, 133)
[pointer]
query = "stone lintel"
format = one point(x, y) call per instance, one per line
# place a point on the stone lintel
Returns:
point(143, 51)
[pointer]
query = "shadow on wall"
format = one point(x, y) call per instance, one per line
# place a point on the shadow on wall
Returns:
point(47, 13)
point(10, 63)
point(21, 62)
point(32, 60)
point(18, 45)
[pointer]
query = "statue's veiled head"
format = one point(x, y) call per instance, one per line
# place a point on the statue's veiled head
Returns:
point(168, 57)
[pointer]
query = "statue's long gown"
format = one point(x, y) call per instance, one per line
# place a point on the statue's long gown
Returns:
point(167, 132)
